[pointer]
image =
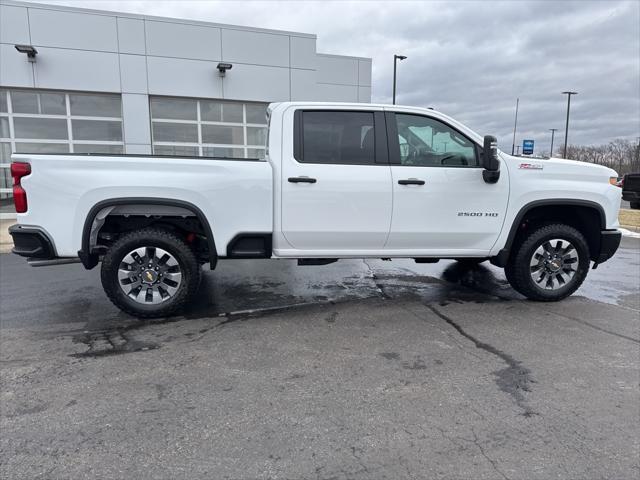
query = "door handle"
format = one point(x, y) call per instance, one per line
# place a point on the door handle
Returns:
point(302, 180)
point(411, 181)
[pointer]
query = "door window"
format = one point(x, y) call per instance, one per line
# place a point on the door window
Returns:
point(427, 142)
point(338, 138)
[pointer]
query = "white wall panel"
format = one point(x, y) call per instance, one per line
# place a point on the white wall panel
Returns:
point(364, 94)
point(53, 28)
point(182, 40)
point(131, 36)
point(77, 70)
point(263, 84)
point(135, 115)
point(303, 85)
point(333, 69)
point(336, 93)
point(303, 52)
point(133, 73)
point(137, 149)
point(189, 78)
point(15, 70)
point(255, 48)
point(14, 26)
point(364, 73)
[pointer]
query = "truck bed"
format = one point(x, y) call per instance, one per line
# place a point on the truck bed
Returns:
point(62, 188)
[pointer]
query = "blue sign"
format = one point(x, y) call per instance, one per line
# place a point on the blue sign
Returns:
point(527, 147)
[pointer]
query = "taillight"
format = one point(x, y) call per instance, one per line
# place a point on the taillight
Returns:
point(19, 170)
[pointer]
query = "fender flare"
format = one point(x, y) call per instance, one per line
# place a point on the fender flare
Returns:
point(90, 259)
point(501, 258)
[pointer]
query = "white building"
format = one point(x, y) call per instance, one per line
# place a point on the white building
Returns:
point(109, 82)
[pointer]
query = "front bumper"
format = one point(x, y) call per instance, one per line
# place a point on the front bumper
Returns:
point(609, 243)
point(630, 196)
point(31, 242)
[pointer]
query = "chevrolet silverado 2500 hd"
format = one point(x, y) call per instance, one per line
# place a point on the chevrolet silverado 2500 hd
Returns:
point(339, 181)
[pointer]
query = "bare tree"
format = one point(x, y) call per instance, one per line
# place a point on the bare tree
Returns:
point(621, 155)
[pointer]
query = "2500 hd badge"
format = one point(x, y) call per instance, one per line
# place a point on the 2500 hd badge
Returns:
point(477, 214)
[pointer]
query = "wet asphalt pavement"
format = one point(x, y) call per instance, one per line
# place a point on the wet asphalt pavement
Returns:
point(352, 370)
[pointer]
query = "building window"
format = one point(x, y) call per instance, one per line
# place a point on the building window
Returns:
point(33, 121)
point(210, 128)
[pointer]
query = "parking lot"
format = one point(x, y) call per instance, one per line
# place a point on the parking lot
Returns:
point(360, 369)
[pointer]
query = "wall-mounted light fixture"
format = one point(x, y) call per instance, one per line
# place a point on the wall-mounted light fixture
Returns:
point(29, 50)
point(223, 67)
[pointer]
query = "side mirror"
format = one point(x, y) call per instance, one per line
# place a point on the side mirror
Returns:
point(490, 161)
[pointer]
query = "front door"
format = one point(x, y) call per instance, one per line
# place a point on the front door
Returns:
point(336, 185)
point(441, 204)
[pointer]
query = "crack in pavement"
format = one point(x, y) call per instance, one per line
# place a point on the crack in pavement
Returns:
point(375, 279)
point(484, 454)
point(514, 379)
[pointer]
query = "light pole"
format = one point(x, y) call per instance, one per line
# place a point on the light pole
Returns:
point(566, 128)
point(553, 133)
point(515, 125)
point(395, 63)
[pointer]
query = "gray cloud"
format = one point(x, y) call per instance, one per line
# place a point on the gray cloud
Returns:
point(470, 59)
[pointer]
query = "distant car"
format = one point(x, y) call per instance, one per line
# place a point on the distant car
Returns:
point(631, 189)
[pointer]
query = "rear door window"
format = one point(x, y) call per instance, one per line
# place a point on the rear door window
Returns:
point(337, 137)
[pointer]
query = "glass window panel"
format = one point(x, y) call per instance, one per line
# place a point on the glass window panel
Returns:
point(222, 134)
point(256, 153)
point(4, 127)
point(91, 148)
point(175, 132)
point(256, 136)
point(41, 128)
point(223, 152)
point(221, 112)
point(256, 113)
point(53, 104)
point(25, 147)
point(5, 152)
point(175, 150)
point(97, 130)
point(95, 105)
point(210, 111)
point(338, 137)
point(24, 102)
point(174, 108)
point(3, 101)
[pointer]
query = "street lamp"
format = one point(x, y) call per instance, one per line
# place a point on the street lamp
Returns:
point(553, 133)
point(566, 128)
point(515, 125)
point(395, 62)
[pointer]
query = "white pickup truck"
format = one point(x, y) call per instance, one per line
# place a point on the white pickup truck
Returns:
point(339, 181)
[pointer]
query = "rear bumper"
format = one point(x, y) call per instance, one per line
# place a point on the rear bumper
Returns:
point(31, 242)
point(609, 243)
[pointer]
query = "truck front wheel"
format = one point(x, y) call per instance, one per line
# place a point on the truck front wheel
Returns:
point(550, 263)
point(150, 273)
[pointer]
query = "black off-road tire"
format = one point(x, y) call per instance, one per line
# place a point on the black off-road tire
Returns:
point(518, 270)
point(151, 237)
point(635, 205)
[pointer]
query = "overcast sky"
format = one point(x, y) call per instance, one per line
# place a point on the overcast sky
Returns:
point(469, 59)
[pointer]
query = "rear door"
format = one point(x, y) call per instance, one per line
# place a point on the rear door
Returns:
point(441, 204)
point(336, 182)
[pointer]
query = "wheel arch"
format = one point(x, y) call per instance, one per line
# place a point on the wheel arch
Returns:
point(575, 212)
point(90, 259)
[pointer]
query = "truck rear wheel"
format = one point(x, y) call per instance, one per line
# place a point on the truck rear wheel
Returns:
point(635, 205)
point(550, 263)
point(150, 273)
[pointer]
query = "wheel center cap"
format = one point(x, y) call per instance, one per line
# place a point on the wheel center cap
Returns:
point(555, 265)
point(149, 277)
